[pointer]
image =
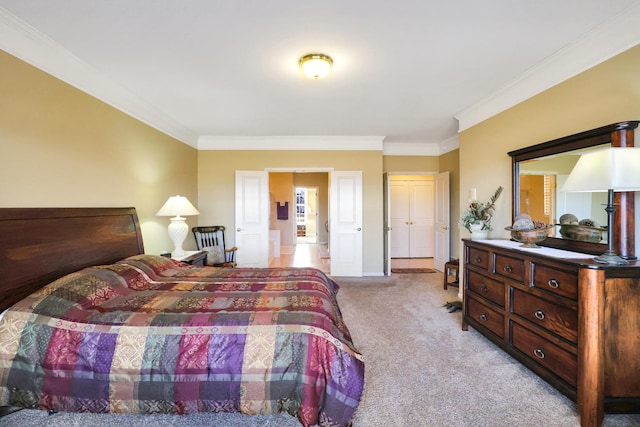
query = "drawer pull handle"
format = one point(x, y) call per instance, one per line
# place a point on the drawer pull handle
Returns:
point(539, 314)
point(477, 259)
point(538, 353)
point(484, 288)
point(553, 283)
point(508, 268)
point(483, 317)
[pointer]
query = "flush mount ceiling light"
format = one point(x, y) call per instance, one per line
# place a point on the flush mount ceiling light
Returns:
point(315, 65)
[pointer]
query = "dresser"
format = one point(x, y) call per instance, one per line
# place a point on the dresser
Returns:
point(573, 322)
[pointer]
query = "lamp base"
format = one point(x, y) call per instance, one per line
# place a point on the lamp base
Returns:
point(610, 258)
point(178, 230)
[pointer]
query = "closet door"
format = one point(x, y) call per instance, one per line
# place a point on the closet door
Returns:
point(400, 210)
point(421, 219)
point(412, 219)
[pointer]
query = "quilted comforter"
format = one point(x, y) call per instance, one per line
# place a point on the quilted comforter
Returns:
point(151, 335)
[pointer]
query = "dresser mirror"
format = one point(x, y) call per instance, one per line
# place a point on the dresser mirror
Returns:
point(539, 173)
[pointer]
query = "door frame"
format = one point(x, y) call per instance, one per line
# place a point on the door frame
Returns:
point(328, 171)
point(387, 205)
point(442, 227)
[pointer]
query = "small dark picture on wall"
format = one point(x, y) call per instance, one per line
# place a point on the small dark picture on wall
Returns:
point(282, 210)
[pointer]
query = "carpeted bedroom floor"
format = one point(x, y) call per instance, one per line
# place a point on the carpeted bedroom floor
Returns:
point(421, 370)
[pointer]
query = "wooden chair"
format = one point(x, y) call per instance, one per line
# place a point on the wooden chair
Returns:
point(211, 237)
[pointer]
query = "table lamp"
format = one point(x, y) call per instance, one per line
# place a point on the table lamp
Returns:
point(607, 170)
point(177, 206)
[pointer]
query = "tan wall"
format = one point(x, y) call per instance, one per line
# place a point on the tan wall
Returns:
point(281, 191)
point(605, 94)
point(216, 187)
point(411, 164)
point(63, 148)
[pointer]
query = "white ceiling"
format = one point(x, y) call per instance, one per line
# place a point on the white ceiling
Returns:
point(405, 71)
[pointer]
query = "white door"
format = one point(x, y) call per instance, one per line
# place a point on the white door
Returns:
point(421, 219)
point(252, 218)
point(346, 223)
point(442, 221)
point(387, 224)
point(412, 218)
point(400, 219)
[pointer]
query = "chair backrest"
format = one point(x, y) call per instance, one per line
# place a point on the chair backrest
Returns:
point(209, 236)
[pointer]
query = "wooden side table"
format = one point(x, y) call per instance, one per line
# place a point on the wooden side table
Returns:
point(453, 265)
point(198, 258)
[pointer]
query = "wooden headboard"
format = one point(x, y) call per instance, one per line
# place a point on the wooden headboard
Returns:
point(39, 245)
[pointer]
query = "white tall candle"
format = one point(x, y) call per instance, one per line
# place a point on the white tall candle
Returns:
point(472, 195)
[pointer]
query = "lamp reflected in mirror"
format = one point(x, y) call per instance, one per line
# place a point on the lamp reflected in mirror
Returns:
point(606, 170)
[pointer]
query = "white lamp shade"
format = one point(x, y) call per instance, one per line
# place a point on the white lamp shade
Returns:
point(177, 206)
point(615, 168)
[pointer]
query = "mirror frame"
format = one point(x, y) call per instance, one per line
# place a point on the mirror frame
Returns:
point(618, 135)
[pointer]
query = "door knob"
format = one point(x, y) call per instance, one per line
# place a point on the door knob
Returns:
point(358, 229)
point(445, 228)
point(238, 229)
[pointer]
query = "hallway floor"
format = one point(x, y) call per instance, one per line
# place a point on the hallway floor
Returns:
point(305, 255)
point(316, 255)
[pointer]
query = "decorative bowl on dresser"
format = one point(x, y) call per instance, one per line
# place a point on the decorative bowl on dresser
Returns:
point(529, 238)
point(572, 321)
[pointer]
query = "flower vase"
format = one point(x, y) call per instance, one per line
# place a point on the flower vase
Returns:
point(477, 233)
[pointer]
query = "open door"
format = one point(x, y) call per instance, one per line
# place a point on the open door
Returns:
point(386, 226)
point(346, 223)
point(442, 221)
point(252, 218)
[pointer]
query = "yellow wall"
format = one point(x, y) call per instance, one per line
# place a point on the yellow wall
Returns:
point(60, 147)
point(281, 191)
point(411, 164)
point(216, 186)
point(605, 94)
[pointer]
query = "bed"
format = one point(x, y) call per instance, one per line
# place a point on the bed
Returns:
point(92, 324)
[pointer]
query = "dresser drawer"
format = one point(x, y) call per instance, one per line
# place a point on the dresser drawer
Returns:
point(486, 287)
point(513, 268)
point(561, 320)
point(487, 317)
point(557, 360)
point(554, 280)
point(478, 257)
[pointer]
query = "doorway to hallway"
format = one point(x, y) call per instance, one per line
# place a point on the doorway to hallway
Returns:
point(303, 233)
point(307, 205)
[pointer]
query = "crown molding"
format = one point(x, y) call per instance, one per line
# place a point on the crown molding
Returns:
point(30, 45)
point(411, 149)
point(324, 143)
point(449, 144)
point(604, 42)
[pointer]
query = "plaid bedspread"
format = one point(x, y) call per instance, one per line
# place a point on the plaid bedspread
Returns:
point(151, 335)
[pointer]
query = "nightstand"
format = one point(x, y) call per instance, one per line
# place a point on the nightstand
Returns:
point(193, 258)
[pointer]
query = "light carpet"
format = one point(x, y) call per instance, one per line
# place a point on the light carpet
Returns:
point(421, 370)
